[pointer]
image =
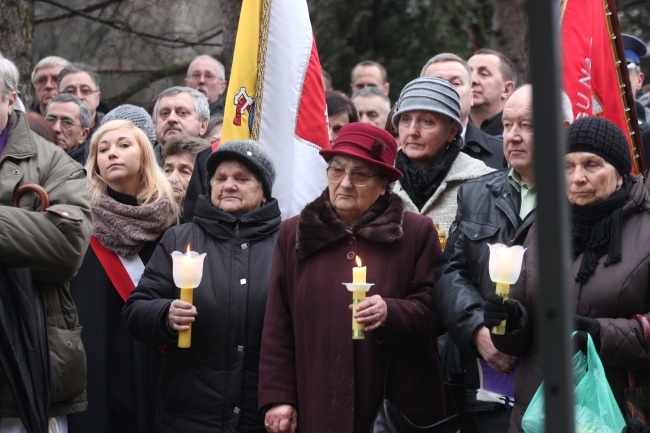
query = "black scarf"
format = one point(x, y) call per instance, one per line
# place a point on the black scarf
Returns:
point(597, 230)
point(420, 185)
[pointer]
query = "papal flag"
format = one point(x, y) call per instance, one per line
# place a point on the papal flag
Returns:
point(593, 66)
point(276, 96)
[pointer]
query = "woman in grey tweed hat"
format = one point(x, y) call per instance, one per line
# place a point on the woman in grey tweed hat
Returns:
point(427, 117)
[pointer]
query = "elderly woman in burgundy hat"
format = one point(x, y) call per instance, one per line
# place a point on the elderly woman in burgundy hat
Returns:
point(313, 375)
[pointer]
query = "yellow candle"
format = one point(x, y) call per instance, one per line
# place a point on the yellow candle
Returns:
point(358, 329)
point(185, 337)
point(503, 290)
point(359, 273)
point(358, 277)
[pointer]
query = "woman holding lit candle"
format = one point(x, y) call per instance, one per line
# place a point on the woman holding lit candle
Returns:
point(610, 272)
point(209, 384)
point(132, 205)
point(313, 375)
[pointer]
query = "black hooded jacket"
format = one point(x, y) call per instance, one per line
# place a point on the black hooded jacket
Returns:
point(212, 386)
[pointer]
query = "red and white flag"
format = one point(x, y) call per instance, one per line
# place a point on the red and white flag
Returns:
point(286, 104)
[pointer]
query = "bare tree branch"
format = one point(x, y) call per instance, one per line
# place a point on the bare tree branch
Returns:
point(145, 80)
point(125, 27)
point(87, 9)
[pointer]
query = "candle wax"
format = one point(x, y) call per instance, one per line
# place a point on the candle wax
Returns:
point(185, 337)
point(359, 275)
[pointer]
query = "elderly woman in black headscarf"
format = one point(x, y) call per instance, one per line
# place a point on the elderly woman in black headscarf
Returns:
point(610, 212)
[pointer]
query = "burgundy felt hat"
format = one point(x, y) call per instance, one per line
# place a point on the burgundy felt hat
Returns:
point(368, 143)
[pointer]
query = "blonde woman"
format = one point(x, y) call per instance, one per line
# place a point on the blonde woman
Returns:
point(132, 205)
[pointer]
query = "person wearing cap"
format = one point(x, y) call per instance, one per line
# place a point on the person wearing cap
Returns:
point(634, 50)
point(212, 386)
point(427, 117)
point(132, 206)
point(137, 115)
point(478, 144)
point(610, 275)
point(313, 375)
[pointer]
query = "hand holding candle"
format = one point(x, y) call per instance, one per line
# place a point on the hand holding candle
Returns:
point(505, 267)
point(187, 272)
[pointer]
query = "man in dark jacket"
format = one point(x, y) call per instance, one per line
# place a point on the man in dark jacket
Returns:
point(478, 144)
point(51, 244)
point(496, 208)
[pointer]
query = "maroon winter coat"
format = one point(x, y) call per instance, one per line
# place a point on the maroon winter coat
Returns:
point(308, 357)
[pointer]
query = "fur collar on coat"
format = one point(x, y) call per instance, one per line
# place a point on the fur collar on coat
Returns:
point(320, 226)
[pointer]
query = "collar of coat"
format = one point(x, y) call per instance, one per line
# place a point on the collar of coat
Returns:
point(319, 225)
point(251, 227)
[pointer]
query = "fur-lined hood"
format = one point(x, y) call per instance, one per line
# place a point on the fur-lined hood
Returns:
point(319, 225)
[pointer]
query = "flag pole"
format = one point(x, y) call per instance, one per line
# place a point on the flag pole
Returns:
point(553, 312)
point(627, 93)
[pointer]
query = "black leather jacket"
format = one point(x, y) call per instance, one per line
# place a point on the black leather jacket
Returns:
point(488, 212)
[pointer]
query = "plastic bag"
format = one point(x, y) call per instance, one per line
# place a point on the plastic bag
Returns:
point(595, 406)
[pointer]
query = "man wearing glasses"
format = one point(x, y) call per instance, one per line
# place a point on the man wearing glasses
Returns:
point(70, 119)
point(82, 81)
point(45, 78)
point(208, 75)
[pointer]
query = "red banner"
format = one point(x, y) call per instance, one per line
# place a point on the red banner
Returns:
point(591, 65)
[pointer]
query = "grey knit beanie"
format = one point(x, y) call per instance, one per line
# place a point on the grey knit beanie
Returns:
point(137, 115)
point(429, 94)
point(249, 153)
point(603, 138)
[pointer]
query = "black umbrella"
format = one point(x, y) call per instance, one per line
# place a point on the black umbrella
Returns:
point(24, 354)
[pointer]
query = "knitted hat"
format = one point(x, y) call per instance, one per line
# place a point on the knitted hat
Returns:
point(603, 138)
point(429, 94)
point(137, 115)
point(249, 153)
point(368, 143)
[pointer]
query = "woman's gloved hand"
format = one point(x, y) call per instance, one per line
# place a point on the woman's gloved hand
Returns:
point(586, 325)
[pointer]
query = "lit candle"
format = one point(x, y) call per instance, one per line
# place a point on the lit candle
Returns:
point(187, 272)
point(358, 277)
point(505, 267)
point(359, 273)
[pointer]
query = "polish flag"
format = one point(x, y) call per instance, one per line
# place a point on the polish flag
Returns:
point(285, 107)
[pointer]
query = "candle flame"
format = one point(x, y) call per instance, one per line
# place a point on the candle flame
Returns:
point(358, 261)
point(188, 249)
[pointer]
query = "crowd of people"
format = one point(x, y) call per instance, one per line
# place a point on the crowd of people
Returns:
point(94, 203)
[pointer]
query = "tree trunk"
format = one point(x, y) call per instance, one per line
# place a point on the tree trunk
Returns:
point(509, 34)
point(230, 10)
point(16, 36)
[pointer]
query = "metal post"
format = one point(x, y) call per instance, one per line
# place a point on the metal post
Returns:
point(554, 318)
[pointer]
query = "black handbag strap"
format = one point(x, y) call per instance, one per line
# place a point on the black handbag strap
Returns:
point(434, 344)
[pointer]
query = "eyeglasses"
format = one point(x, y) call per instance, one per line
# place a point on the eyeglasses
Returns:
point(357, 178)
point(43, 79)
point(85, 90)
point(66, 123)
point(196, 76)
